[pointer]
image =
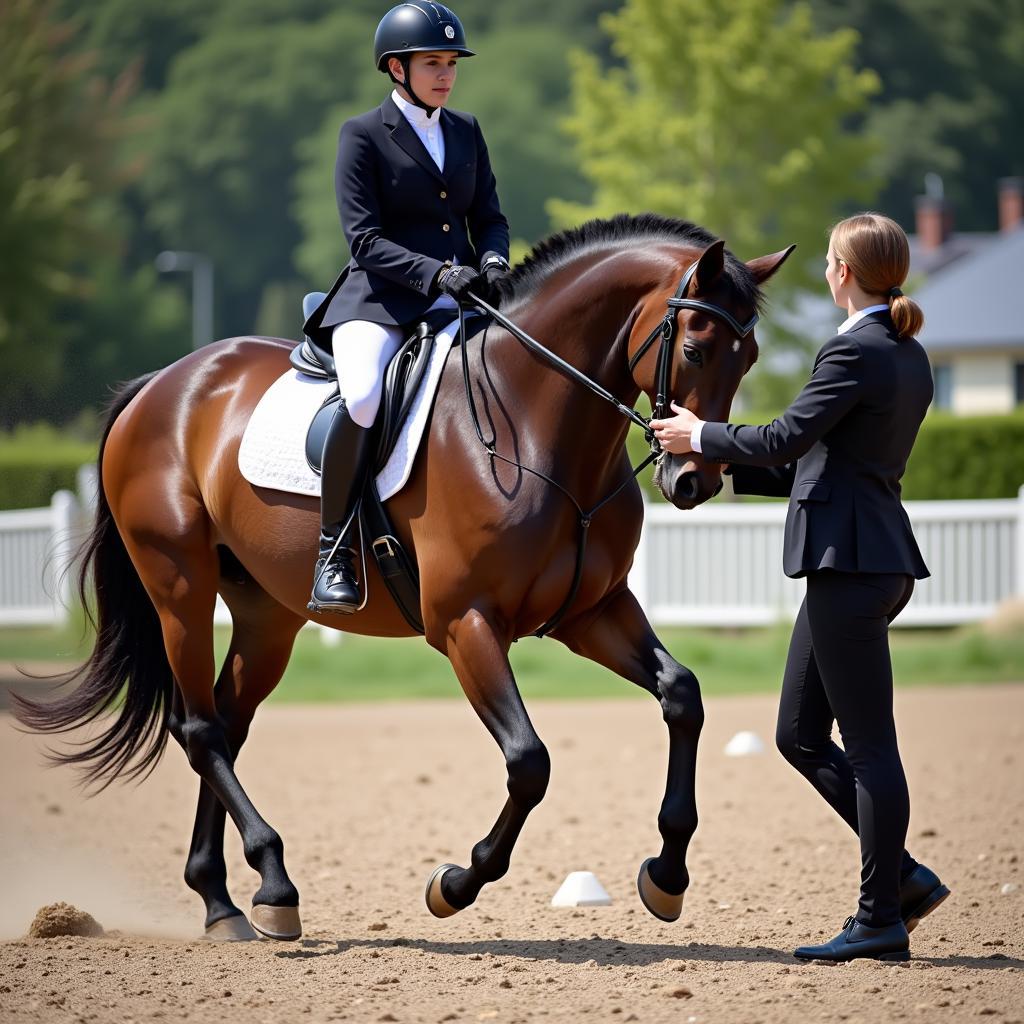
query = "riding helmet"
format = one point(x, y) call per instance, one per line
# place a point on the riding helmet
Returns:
point(415, 28)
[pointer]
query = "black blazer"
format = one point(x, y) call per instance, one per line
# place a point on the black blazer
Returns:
point(403, 217)
point(839, 451)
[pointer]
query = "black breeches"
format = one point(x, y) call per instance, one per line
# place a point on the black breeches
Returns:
point(838, 669)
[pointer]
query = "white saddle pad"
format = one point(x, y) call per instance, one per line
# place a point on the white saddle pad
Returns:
point(273, 449)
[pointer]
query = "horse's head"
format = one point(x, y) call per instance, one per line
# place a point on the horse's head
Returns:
point(712, 348)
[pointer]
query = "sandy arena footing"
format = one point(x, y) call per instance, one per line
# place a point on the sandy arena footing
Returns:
point(369, 799)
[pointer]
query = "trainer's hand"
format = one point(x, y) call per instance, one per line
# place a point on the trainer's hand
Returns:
point(673, 432)
point(458, 281)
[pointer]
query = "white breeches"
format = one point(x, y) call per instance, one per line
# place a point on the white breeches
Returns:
point(362, 351)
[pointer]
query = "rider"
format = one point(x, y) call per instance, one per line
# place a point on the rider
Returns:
point(420, 211)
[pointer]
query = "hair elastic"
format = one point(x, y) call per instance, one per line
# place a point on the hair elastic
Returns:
point(894, 293)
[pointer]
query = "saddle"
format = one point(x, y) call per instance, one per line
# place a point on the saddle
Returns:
point(402, 380)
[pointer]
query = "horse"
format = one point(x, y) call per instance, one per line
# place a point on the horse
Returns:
point(176, 524)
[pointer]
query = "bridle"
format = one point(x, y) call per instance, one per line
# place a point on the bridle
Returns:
point(666, 330)
point(669, 327)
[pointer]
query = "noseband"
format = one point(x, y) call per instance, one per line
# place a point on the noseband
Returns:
point(669, 327)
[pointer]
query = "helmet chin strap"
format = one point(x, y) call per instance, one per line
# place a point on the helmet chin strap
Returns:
point(407, 85)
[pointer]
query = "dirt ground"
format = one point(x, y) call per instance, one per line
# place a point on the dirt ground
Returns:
point(370, 798)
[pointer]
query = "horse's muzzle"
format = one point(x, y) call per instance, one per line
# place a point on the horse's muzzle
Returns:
point(684, 483)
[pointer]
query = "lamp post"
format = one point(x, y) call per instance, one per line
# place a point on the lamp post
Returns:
point(202, 289)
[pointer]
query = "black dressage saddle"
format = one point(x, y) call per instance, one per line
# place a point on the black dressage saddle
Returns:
point(402, 381)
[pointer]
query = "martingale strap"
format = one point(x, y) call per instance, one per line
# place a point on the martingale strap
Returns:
point(585, 517)
point(666, 330)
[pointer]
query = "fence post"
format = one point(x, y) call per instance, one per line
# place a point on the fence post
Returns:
point(64, 507)
point(87, 483)
point(1018, 583)
point(638, 573)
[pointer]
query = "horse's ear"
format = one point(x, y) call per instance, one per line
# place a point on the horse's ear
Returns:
point(710, 264)
point(764, 266)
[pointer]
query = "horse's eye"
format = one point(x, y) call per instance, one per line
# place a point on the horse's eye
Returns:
point(693, 355)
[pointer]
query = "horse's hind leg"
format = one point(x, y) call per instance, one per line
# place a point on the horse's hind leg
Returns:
point(480, 659)
point(621, 638)
point(261, 643)
point(181, 577)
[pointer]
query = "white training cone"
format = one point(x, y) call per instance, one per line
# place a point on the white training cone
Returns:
point(581, 889)
point(743, 744)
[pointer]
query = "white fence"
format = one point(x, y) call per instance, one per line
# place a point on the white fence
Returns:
point(718, 565)
point(36, 546)
point(721, 564)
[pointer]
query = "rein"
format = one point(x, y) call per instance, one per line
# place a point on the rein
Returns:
point(666, 330)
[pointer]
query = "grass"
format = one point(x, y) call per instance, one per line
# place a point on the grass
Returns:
point(726, 662)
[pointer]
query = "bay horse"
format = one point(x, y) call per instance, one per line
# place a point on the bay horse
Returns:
point(176, 525)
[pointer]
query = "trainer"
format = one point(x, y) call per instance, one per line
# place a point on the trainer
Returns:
point(838, 453)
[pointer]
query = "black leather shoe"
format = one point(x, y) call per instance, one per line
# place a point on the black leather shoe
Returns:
point(335, 588)
point(857, 941)
point(920, 893)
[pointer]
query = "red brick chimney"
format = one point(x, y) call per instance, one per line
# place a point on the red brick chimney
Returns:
point(934, 221)
point(1011, 203)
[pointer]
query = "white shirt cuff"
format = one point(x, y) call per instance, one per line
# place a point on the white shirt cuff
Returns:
point(695, 435)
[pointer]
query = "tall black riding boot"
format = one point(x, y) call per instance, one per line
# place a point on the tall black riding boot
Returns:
point(342, 474)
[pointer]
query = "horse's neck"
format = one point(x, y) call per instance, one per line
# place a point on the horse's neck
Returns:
point(588, 327)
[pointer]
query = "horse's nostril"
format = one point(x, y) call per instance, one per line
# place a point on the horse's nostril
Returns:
point(689, 486)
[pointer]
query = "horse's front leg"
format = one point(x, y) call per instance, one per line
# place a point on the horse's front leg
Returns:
point(479, 655)
point(620, 638)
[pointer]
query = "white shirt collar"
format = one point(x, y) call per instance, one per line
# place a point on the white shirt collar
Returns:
point(416, 116)
point(858, 316)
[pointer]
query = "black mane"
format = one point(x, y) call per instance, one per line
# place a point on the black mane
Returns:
point(627, 230)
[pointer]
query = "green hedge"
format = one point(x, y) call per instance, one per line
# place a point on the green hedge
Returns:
point(954, 457)
point(29, 475)
point(967, 457)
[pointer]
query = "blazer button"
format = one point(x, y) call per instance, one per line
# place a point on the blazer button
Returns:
point(446, 227)
point(444, 195)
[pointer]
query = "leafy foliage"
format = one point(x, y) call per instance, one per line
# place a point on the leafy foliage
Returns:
point(57, 125)
point(732, 115)
point(951, 99)
point(35, 462)
point(967, 457)
point(132, 126)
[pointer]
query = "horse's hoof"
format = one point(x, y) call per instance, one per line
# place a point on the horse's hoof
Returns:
point(277, 922)
point(436, 903)
point(663, 905)
point(231, 929)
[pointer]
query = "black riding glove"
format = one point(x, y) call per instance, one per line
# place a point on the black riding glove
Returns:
point(494, 269)
point(458, 281)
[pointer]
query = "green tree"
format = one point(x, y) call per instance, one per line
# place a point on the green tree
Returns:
point(220, 149)
point(951, 100)
point(58, 124)
point(732, 115)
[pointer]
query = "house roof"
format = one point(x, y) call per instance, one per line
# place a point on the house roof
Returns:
point(927, 261)
point(976, 301)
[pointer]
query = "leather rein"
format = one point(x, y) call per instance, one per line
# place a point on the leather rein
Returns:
point(667, 330)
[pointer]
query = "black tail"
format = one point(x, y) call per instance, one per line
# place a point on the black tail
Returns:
point(128, 657)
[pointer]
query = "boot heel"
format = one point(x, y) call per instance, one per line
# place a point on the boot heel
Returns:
point(901, 956)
